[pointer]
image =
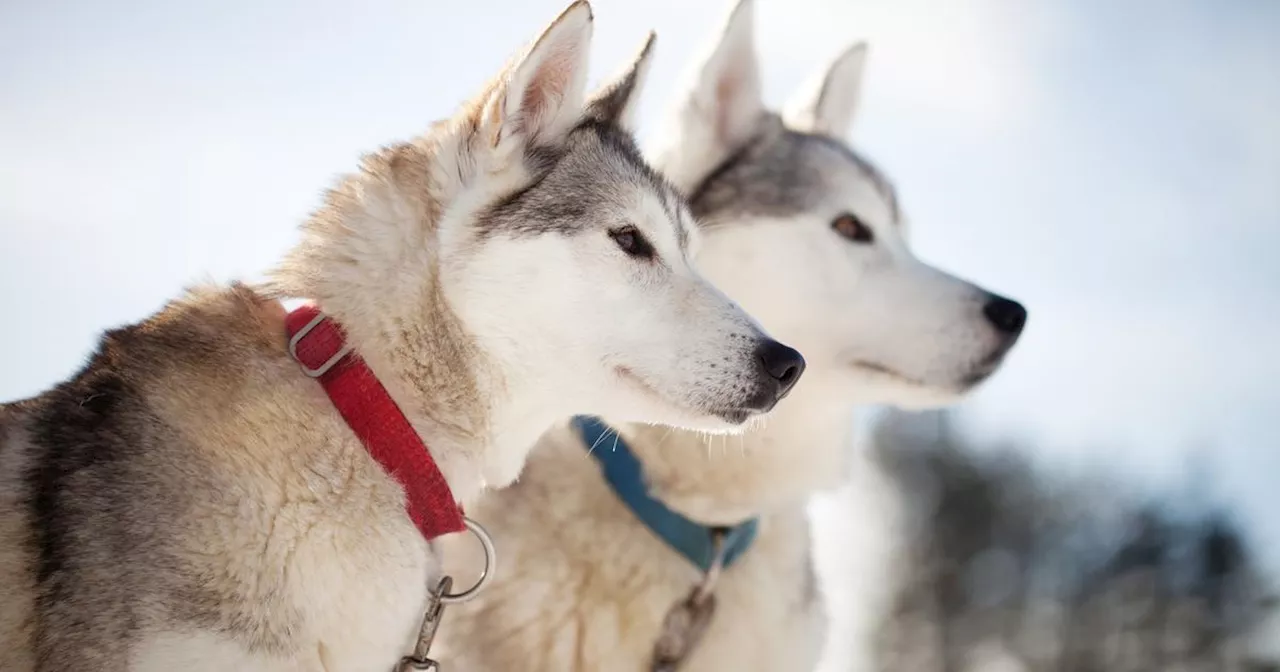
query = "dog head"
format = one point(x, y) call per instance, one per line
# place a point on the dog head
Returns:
point(526, 243)
point(808, 235)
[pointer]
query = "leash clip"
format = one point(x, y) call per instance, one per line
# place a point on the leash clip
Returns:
point(427, 634)
point(440, 597)
point(687, 620)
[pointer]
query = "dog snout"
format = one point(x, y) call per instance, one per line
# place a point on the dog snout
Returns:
point(780, 368)
point(1006, 315)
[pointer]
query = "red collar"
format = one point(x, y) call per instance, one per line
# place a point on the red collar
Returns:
point(318, 345)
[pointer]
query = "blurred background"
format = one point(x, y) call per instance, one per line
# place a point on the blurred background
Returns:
point(1114, 165)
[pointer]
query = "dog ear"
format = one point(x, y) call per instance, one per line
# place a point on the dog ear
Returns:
point(615, 102)
point(827, 103)
point(538, 99)
point(721, 106)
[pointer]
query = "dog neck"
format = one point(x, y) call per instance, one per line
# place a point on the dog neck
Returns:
point(437, 392)
point(465, 415)
point(801, 448)
point(370, 260)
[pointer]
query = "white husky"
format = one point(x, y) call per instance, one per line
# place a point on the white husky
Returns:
point(809, 236)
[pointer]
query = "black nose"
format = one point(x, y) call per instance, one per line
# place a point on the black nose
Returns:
point(782, 364)
point(1006, 315)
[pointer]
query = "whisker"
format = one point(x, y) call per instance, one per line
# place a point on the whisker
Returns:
point(601, 438)
point(664, 437)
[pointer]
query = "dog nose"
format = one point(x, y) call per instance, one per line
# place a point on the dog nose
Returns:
point(1006, 315)
point(782, 364)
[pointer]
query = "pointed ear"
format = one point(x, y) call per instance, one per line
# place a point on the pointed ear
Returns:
point(616, 101)
point(721, 104)
point(539, 97)
point(726, 86)
point(828, 102)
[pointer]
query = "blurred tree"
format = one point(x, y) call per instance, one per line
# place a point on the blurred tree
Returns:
point(1007, 567)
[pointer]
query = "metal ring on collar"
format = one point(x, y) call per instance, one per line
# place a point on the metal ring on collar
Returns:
point(490, 562)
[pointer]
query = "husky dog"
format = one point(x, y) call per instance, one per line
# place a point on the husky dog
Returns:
point(1001, 568)
point(191, 500)
point(808, 235)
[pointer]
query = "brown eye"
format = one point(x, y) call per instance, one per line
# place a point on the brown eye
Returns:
point(629, 240)
point(849, 226)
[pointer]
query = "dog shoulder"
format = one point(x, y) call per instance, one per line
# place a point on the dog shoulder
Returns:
point(106, 475)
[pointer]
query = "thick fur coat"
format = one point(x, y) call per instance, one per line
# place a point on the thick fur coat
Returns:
point(809, 236)
point(191, 500)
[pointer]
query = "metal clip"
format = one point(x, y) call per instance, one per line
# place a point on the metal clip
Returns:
point(427, 634)
point(440, 597)
point(687, 620)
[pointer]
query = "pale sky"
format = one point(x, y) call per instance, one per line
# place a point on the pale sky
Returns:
point(1115, 165)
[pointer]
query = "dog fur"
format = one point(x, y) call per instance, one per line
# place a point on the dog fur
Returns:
point(190, 500)
point(590, 584)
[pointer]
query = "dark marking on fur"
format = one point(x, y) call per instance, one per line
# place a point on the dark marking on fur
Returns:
point(73, 416)
point(103, 510)
point(781, 172)
point(596, 172)
point(717, 174)
point(79, 469)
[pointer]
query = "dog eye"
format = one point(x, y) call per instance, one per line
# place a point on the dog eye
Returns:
point(629, 240)
point(849, 226)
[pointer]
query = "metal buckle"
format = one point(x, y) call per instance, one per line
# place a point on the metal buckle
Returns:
point(329, 363)
point(441, 597)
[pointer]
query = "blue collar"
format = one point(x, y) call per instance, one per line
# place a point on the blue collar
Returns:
point(626, 476)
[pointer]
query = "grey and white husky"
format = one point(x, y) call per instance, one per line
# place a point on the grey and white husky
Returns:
point(192, 501)
point(810, 237)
